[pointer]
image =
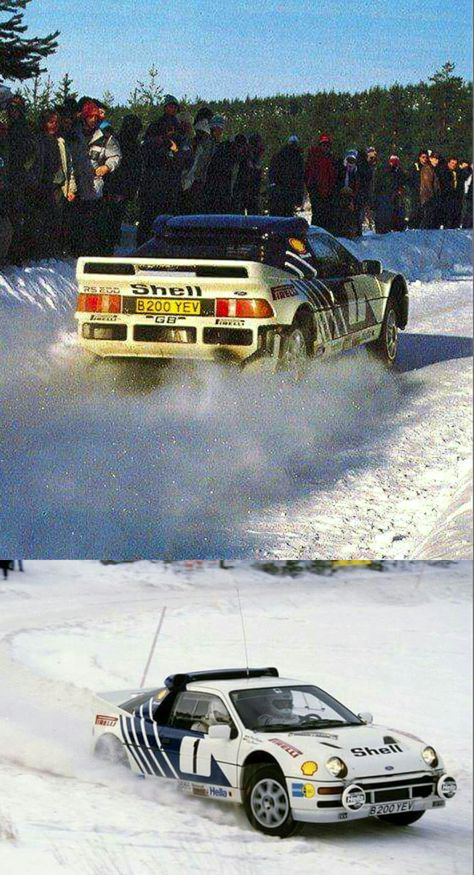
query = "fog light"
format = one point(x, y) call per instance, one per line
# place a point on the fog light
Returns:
point(353, 798)
point(446, 787)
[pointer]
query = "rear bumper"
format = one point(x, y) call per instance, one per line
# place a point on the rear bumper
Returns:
point(123, 337)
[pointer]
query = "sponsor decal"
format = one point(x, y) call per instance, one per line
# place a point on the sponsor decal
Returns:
point(342, 815)
point(389, 768)
point(376, 751)
point(297, 245)
point(103, 317)
point(200, 791)
point(280, 292)
point(218, 792)
point(234, 322)
point(101, 290)
point(438, 803)
point(103, 720)
point(317, 735)
point(185, 786)
point(161, 695)
point(241, 294)
point(309, 768)
point(301, 791)
point(165, 291)
point(292, 751)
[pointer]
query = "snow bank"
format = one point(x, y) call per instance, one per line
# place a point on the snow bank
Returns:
point(420, 255)
point(452, 535)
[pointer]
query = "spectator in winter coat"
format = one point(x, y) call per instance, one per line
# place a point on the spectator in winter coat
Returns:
point(5, 565)
point(50, 178)
point(6, 231)
point(349, 214)
point(21, 158)
point(121, 186)
point(286, 179)
point(466, 217)
point(105, 157)
point(79, 235)
point(321, 181)
point(194, 176)
point(429, 192)
point(256, 151)
point(389, 197)
point(163, 158)
point(367, 162)
point(452, 194)
point(414, 179)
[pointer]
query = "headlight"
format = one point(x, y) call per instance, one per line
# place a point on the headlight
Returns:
point(337, 767)
point(430, 757)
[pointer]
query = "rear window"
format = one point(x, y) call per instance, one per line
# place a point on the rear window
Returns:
point(220, 245)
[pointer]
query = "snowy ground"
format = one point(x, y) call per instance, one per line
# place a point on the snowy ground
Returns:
point(129, 460)
point(396, 643)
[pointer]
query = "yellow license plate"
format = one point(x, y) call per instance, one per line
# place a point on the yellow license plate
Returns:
point(163, 305)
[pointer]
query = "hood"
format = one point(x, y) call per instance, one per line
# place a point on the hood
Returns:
point(366, 750)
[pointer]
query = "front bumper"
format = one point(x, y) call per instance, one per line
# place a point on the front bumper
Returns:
point(397, 795)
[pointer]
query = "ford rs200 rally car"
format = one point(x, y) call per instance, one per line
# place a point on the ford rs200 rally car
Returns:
point(242, 289)
point(286, 750)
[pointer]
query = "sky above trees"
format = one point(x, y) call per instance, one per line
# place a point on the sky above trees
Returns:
point(231, 49)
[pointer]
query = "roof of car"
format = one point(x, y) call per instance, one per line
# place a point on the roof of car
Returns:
point(286, 227)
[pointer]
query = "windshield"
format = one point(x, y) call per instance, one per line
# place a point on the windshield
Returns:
point(290, 708)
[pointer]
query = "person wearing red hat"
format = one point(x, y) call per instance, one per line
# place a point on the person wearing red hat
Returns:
point(321, 172)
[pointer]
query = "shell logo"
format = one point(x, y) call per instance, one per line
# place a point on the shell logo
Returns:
point(297, 245)
point(309, 768)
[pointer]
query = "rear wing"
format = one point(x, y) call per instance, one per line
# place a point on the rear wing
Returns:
point(142, 268)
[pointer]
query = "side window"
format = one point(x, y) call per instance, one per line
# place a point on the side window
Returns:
point(198, 711)
point(325, 257)
point(348, 264)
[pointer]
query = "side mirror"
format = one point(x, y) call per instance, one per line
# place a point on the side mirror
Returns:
point(366, 717)
point(220, 730)
point(372, 267)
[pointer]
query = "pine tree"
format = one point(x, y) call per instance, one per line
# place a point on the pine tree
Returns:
point(38, 96)
point(20, 58)
point(64, 90)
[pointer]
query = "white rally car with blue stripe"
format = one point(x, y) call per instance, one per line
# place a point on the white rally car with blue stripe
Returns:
point(243, 289)
point(286, 750)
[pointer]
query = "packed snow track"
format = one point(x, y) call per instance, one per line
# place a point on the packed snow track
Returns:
point(132, 459)
point(68, 629)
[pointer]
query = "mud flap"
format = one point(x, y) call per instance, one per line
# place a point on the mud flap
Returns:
point(263, 360)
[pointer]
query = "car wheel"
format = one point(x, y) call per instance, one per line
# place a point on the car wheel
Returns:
point(385, 348)
point(403, 819)
point(267, 803)
point(110, 750)
point(294, 351)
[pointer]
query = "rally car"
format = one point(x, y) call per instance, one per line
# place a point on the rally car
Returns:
point(243, 289)
point(286, 750)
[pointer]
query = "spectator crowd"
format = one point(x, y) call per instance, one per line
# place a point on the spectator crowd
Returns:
point(67, 186)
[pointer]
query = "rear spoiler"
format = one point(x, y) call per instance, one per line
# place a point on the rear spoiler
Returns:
point(96, 269)
point(118, 697)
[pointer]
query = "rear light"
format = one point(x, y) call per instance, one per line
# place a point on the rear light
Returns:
point(256, 308)
point(99, 304)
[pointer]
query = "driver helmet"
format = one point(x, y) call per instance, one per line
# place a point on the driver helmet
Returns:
point(281, 702)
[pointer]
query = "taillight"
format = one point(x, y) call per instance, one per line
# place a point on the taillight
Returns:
point(256, 308)
point(99, 303)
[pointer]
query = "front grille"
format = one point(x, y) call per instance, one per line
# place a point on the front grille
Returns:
point(163, 334)
point(228, 336)
point(389, 791)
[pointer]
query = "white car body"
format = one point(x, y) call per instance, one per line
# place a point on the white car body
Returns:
point(383, 764)
point(153, 306)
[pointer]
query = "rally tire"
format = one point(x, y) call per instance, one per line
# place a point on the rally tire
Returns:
point(267, 803)
point(294, 349)
point(403, 819)
point(110, 750)
point(385, 348)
